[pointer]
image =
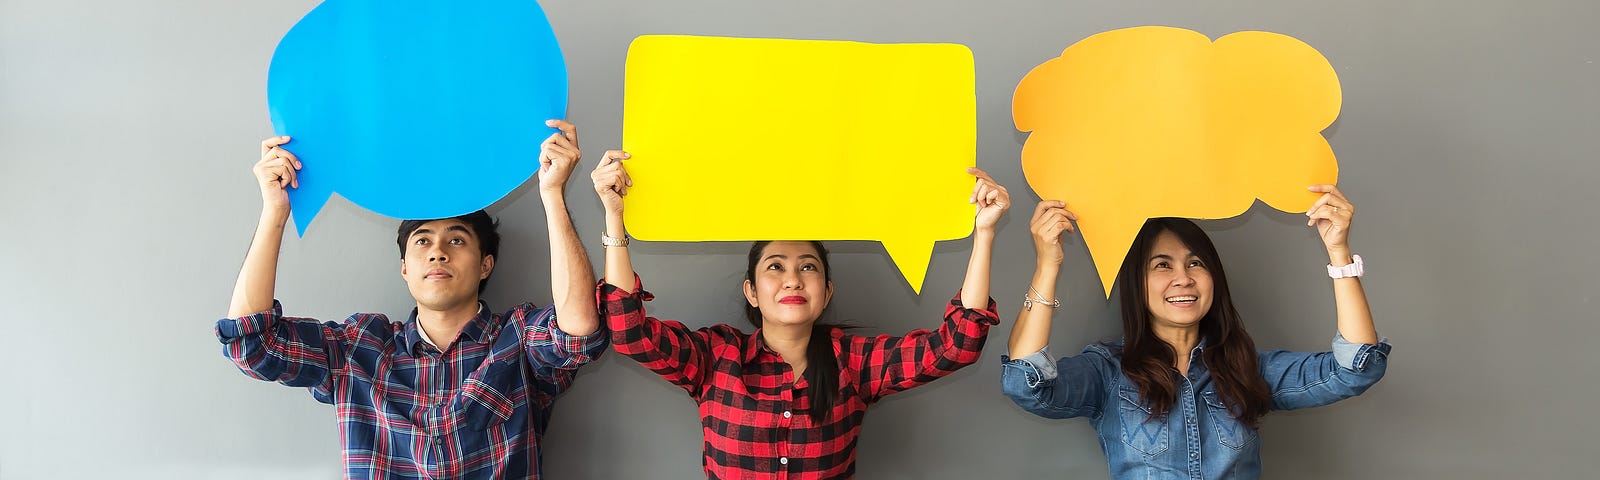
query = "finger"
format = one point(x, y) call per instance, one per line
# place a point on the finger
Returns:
point(613, 156)
point(978, 172)
point(1322, 200)
point(1044, 206)
point(283, 176)
point(994, 197)
point(980, 194)
point(286, 155)
point(272, 142)
point(567, 129)
point(559, 152)
point(1322, 213)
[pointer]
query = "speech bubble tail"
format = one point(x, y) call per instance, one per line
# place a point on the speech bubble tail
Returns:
point(1108, 241)
point(911, 257)
point(304, 204)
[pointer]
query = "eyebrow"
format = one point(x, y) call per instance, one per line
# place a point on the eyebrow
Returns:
point(452, 228)
point(1163, 256)
point(782, 256)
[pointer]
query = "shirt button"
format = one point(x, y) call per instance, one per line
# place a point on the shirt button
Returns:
point(1194, 454)
point(786, 414)
point(783, 460)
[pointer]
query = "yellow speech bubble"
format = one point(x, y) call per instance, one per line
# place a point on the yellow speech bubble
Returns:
point(1158, 121)
point(738, 139)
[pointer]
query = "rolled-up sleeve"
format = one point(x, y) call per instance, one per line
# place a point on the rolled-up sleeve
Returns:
point(1304, 380)
point(550, 346)
point(298, 352)
point(1065, 388)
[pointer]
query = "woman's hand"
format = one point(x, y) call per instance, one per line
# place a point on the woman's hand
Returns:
point(611, 181)
point(1051, 219)
point(1331, 215)
point(991, 198)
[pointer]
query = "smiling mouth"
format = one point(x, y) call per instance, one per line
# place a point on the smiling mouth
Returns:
point(1182, 300)
point(793, 300)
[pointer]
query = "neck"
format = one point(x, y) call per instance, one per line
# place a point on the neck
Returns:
point(1182, 340)
point(790, 341)
point(442, 325)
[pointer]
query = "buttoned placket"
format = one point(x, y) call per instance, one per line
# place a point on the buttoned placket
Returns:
point(785, 421)
point(1191, 415)
point(434, 366)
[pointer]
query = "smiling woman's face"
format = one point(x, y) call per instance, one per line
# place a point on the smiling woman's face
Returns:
point(1177, 284)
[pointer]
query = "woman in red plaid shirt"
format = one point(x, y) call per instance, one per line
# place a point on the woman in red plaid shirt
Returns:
point(786, 401)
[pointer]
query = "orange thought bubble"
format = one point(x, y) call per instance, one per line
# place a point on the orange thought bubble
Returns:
point(1149, 122)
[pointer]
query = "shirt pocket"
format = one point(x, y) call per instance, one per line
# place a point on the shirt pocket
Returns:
point(1230, 431)
point(493, 396)
point(1141, 431)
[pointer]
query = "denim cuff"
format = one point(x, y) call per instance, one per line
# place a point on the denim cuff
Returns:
point(1353, 356)
point(1043, 362)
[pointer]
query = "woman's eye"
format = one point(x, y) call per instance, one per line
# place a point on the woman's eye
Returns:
point(774, 267)
point(809, 267)
point(1161, 265)
point(1195, 263)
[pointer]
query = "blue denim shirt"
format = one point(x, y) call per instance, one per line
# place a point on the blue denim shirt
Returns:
point(1199, 438)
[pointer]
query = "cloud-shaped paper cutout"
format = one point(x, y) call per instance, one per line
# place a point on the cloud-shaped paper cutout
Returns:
point(1149, 122)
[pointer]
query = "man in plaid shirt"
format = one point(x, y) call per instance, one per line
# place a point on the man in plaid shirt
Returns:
point(456, 391)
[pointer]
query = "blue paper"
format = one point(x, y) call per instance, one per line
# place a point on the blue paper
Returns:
point(415, 109)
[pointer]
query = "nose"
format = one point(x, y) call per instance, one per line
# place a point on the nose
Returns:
point(1182, 278)
point(791, 280)
point(435, 254)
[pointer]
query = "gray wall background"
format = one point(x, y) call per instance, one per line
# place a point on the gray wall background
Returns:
point(1467, 139)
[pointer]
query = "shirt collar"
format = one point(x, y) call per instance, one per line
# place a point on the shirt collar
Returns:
point(755, 346)
point(475, 330)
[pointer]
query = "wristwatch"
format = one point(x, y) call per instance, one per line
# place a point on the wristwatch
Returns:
point(1354, 269)
point(610, 241)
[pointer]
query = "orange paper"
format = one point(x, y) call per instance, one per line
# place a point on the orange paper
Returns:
point(1149, 122)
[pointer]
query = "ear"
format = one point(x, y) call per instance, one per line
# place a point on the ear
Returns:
point(488, 266)
point(827, 297)
point(402, 267)
point(750, 293)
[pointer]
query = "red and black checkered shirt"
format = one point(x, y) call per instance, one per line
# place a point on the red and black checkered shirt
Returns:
point(752, 405)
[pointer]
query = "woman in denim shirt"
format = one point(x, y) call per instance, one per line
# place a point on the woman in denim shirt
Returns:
point(1182, 394)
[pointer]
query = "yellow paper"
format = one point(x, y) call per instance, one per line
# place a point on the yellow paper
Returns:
point(1157, 121)
point(765, 139)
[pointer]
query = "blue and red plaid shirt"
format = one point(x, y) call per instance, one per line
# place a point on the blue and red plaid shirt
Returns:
point(752, 405)
point(407, 410)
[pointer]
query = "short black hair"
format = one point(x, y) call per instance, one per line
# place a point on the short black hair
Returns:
point(483, 226)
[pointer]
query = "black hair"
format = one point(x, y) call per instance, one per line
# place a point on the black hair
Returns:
point(1230, 354)
point(484, 227)
point(822, 367)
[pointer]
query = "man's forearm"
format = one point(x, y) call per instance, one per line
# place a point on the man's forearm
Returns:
point(571, 274)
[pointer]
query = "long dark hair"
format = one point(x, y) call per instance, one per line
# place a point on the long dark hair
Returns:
point(1229, 354)
point(822, 367)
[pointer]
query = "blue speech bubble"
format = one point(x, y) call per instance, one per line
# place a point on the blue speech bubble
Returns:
point(415, 109)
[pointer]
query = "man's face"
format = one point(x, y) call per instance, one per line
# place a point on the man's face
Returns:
point(443, 265)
